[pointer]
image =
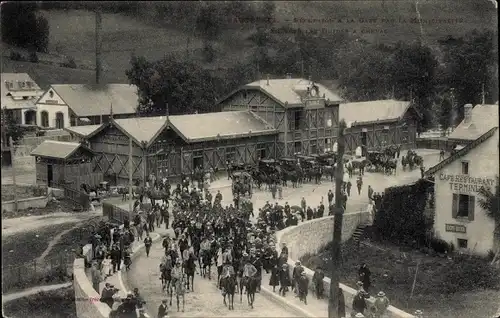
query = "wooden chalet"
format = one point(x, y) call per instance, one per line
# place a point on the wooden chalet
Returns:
point(304, 113)
point(376, 124)
point(64, 163)
point(178, 144)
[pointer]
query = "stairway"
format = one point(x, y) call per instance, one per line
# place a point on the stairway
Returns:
point(357, 236)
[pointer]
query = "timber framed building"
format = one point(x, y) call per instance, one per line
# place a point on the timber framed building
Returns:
point(376, 124)
point(305, 114)
point(177, 144)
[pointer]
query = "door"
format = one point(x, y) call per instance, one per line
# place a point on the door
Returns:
point(59, 120)
point(364, 143)
point(50, 175)
point(197, 162)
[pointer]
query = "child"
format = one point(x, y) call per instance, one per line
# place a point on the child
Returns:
point(106, 267)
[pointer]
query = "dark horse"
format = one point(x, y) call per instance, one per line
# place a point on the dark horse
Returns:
point(250, 284)
point(206, 263)
point(229, 289)
point(189, 269)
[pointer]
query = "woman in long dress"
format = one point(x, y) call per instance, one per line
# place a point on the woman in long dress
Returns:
point(106, 267)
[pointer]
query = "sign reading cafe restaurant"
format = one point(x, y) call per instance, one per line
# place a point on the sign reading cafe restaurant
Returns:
point(465, 183)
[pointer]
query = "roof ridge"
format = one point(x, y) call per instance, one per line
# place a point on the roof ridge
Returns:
point(62, 142)
point(461, 152)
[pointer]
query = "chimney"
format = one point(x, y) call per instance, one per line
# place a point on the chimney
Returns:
point(267, 79)
point(468, 113)
point(98, 43)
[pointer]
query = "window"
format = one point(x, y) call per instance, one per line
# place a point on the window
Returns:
point(230, 152)
point(298, 147)
point(51, 94)
point(297, 120)
point(463, 206)
point(465, 167)
point(461, 243)
point(328, 118)
point(261, 151)
point(314, 147)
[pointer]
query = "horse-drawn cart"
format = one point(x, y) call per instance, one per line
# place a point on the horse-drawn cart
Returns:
point(242, 183)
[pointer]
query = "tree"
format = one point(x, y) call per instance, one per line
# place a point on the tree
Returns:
point(21, 27)
point(470, 62)
point(444, 111)
point(183, 85)
point(10, 128)
point(489, 201)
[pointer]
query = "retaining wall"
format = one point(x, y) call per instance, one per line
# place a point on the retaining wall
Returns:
point(84, 291)
point(311, 236)
point(22, 204)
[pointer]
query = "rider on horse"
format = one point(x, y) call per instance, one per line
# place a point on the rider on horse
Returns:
point(228, 269)
point(249, 270)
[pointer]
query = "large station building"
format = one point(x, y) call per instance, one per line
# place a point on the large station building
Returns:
point(459, 218)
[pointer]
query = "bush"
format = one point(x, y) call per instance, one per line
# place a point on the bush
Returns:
point(70, 63)
point(441, 246)
point(470, 273)
point(33, 57)
point(15, 56)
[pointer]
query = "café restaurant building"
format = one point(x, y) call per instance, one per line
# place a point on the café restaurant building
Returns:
point(459, 219)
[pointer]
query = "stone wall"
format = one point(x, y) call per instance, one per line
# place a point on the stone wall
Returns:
point(86, 298)
point(311, 236)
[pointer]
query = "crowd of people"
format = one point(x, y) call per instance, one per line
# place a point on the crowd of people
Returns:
point(212, 234)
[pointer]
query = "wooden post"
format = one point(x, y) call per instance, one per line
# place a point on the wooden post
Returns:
point(130, 172)
point(414, 280)
point(333, 300)
point(13, 164)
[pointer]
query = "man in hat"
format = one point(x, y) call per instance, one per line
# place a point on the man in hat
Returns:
point(96, 275)
point(163, 309)
point(364, 276)
point(303, 287)
point(318, 282)
point(297, 270)
point(107, 294)
point(359, 315)
point(147, 243)
point(381, 304)
point(419, 314)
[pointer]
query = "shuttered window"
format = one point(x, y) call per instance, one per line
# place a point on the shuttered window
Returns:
point(463, 206)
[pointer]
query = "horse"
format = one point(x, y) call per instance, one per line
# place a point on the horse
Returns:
point(189, 270)
point(229, 289)
point(166, 276)
point(206, 263)
point(180, 289)
point(250, 284)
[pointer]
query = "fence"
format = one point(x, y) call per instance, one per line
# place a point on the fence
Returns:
point(54, 270)
point(114, 213)
point(80, 198)
point(435, 143)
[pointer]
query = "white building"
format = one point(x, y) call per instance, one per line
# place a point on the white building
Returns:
point(458, 217)
point(53, 110)
point(19, 96)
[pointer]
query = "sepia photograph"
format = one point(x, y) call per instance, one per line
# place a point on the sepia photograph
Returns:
point(197, 159)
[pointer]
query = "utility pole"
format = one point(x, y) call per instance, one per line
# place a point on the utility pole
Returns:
point(302, 68)
point(483, 95)
point(130, 172)
point(98, 44)
point(13, 165)
point(333, 300)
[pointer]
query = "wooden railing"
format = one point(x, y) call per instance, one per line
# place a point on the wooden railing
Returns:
point(114, 213)
point(78, 197)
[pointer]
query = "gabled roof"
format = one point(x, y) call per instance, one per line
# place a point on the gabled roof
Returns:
point(82, 131)
point(94, 100)
point(57, 149)
point(142, 129)
point(484, 117)
point(220, 125)
point(462, 152)
point(13, 97)
point(287, 92)
point(362, 113)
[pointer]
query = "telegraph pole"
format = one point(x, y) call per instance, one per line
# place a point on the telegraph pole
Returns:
point(130, 172)
point(98, 46)
point(13, 165)
point(333, 300)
